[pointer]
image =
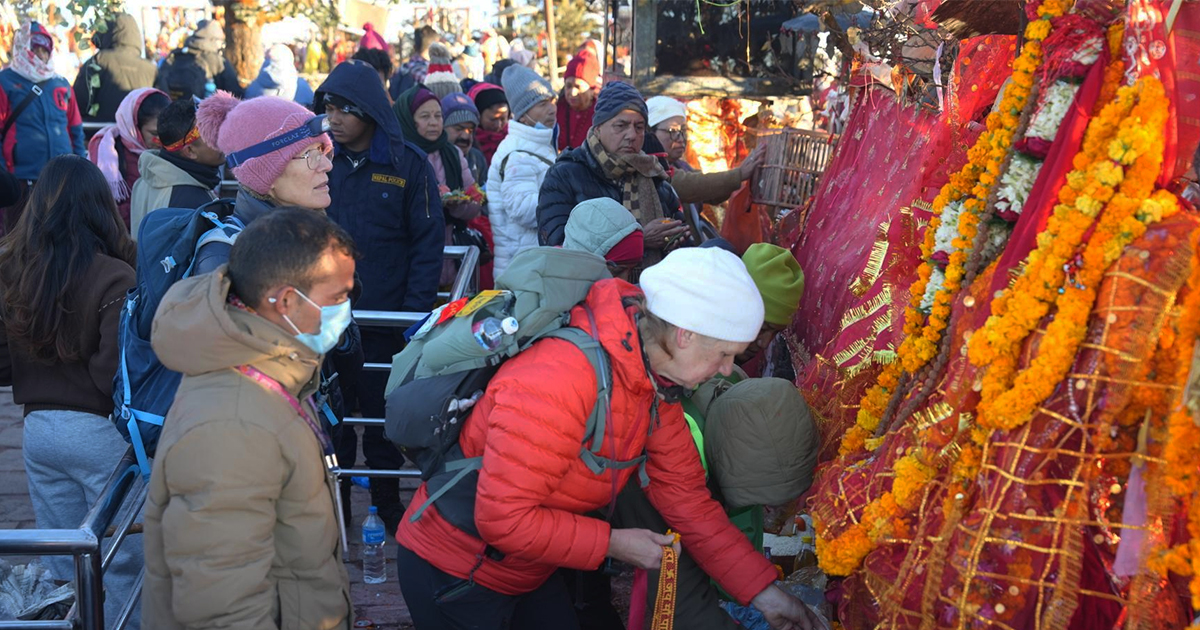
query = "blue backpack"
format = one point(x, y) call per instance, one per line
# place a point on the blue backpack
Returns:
point(143, 389)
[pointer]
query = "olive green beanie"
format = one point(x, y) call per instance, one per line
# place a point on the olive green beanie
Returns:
point(779, 279)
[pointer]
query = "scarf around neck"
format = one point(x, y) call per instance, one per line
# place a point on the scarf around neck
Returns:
point(488, 141)
point(636, 174)
point(102, 148)
point(451, 156)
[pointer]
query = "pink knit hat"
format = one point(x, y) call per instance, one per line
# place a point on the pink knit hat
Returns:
point(236, 125)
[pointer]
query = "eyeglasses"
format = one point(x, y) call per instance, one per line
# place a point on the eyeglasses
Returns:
point(315, 126)
point(676, 133)
point(313, 158)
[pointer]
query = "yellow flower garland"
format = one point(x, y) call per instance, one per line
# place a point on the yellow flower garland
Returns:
point(1117, 186)
point(971, 184)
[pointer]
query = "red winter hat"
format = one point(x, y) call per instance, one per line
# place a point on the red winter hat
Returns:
point(584, 67)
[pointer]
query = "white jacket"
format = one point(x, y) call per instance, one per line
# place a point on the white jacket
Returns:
point(513, 200)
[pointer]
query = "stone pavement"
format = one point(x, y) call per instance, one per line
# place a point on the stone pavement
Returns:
point(380, 603)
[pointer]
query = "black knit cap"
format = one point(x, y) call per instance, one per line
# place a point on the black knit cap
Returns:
point(489, 97)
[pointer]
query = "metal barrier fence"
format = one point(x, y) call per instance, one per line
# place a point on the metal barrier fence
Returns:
point(86, 545)
point(465, 283)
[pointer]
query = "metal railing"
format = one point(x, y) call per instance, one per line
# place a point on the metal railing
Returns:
point(86, 545)
point(466, 282)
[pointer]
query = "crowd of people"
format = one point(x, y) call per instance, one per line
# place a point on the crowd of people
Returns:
point(348, 194)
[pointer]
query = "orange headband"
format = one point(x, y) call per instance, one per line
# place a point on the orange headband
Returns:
point(188, 139)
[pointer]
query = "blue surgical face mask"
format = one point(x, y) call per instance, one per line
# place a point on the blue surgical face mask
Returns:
point(334, 321)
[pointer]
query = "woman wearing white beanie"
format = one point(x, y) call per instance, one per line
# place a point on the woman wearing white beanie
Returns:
point(668, 123)
point(696, 310)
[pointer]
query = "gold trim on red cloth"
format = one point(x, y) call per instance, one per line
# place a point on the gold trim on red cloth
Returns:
point(664, 602)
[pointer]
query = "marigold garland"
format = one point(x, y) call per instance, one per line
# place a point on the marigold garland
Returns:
point(1179, 476)
point(884, 516)
point(972, 185)
point(1116, 186)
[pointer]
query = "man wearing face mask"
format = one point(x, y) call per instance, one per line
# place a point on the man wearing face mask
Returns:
point(241, 520)
point(521, 163)
point(611, 164)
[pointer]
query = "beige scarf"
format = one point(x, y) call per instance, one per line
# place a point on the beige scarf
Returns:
point(636, 173)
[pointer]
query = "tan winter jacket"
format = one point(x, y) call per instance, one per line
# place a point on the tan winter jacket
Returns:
point(710, 188)
point(241, 531)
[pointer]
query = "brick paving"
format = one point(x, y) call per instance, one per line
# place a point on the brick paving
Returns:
point(380, 603)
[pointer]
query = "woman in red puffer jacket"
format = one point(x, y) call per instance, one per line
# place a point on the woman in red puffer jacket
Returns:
point(534, 489)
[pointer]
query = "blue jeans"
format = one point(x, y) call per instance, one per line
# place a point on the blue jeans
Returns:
point(69, 456)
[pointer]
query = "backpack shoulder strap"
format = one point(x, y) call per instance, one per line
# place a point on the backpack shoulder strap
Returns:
point(221, 232)
point(598, 359)
point(34, 92)
point(504, 162)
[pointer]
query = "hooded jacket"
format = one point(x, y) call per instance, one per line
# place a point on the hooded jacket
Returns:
point(49, 127)
point(169, 181)
point(534, 489)
point(526, 154)
point(577, 177)
point(114, 72)
point(387, 200)
point(203, 50)
point(241, 528)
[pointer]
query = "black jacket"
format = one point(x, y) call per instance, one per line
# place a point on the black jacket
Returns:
point(576, 177)
point(185, 73)
point(118, 70)
point(387, 199)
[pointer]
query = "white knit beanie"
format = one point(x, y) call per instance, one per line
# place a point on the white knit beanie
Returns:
point(707, 291)
point(662, 108)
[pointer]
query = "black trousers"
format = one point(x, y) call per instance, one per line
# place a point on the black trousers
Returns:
point(379, 345)
point(439, 601)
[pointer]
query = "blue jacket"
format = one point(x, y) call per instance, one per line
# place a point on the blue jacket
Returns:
point(387, 199)
point(265, 85)
point(50, 126)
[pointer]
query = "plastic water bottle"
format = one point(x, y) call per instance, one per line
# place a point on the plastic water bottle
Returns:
point(374, 562)
point(490, 331)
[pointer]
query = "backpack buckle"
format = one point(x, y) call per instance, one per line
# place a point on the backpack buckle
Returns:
point(36, 89)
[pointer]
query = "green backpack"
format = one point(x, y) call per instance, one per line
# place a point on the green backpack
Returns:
point(443, 371)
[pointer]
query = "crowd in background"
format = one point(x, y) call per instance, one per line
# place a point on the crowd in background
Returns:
point(348, 192)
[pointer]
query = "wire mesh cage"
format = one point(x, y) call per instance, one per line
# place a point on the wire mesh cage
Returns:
point(795, 160)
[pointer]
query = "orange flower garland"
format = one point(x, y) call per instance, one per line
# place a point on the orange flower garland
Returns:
point(885, 516)
point(1119, 182)
point(972, 183)
point(1179, 475)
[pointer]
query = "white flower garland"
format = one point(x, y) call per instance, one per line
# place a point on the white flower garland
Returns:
point(1051, 111)
point(936, 279)
point(943, 239)
point(1016, 183)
